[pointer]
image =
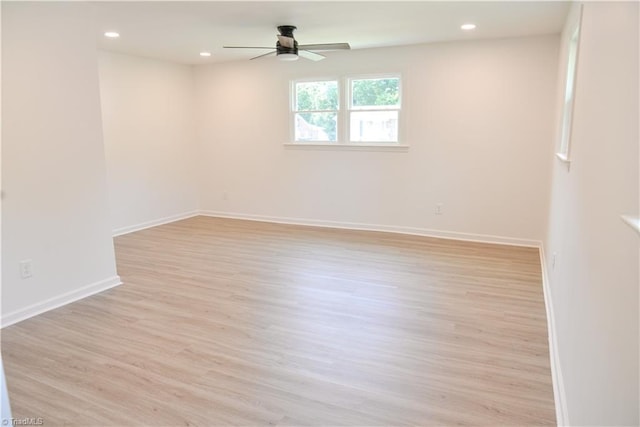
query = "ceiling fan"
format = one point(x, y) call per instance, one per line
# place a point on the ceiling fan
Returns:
point(288, 49)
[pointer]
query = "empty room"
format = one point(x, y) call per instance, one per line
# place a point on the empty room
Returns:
point(320, 213)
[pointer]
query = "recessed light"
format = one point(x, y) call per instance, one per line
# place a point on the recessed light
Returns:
point(205, 54)
point(112, 34)
point(468, 27)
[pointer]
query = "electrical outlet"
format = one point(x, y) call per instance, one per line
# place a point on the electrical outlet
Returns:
point(26, 268)
point(438, 209)
point(225, 196)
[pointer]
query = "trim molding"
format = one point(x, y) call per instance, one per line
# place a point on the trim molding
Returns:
point(560, 398)
point(153, 223)
point(58, 301)
point(482, 238)
point(632, 221)
point(403, 148)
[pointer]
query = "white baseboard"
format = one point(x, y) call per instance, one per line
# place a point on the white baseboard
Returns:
point(154, 223)
point(562, 415)
point(482, 238)
point(58, 301)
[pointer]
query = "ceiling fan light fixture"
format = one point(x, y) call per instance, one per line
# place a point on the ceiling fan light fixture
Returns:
point(287, 57)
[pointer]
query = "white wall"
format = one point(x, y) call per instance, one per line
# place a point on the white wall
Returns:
point(479, 122)
point(594, 285)
point(55, 209)
point(148, 119)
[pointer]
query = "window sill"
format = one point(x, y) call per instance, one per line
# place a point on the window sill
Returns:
point(347, 147)
point(563, 157)
point(632, 221)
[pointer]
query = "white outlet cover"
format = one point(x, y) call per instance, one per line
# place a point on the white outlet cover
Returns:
point(26, 268)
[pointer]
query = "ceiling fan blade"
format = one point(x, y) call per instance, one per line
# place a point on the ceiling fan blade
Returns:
point(264, 54)
point(247, 47)
point(325, 46)
point(311, 55)
point(286, 41)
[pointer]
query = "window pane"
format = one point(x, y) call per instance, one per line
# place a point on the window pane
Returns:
point(375, 92)
point(316, 127)
point(568, 94)
point(312, 96)
point(374, 126)
point(571, 67)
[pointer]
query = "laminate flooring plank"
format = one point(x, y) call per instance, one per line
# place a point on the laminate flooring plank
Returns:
point(230, 322)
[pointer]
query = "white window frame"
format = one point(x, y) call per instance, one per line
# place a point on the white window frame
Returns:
point(569, 93)
point(349, 108)
point(343, 122)
point(293, 109)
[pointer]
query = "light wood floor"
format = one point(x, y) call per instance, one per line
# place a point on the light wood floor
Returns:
point(225, 322)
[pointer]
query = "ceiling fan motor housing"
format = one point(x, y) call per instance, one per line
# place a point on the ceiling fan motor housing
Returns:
point(287, 31)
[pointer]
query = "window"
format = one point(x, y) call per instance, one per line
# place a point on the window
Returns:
point(374, 109)
point(569, 92)
point(315, 111)
point(367, 113)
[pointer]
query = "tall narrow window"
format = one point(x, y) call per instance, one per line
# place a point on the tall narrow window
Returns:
point(315, 111)
point(374, 109)
point(569, 92)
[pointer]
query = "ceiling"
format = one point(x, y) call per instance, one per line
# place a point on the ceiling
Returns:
point(178, 30)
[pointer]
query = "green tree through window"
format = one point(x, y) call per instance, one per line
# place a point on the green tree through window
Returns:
point(374, 109)
point(375, 92)
point(317, 105)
